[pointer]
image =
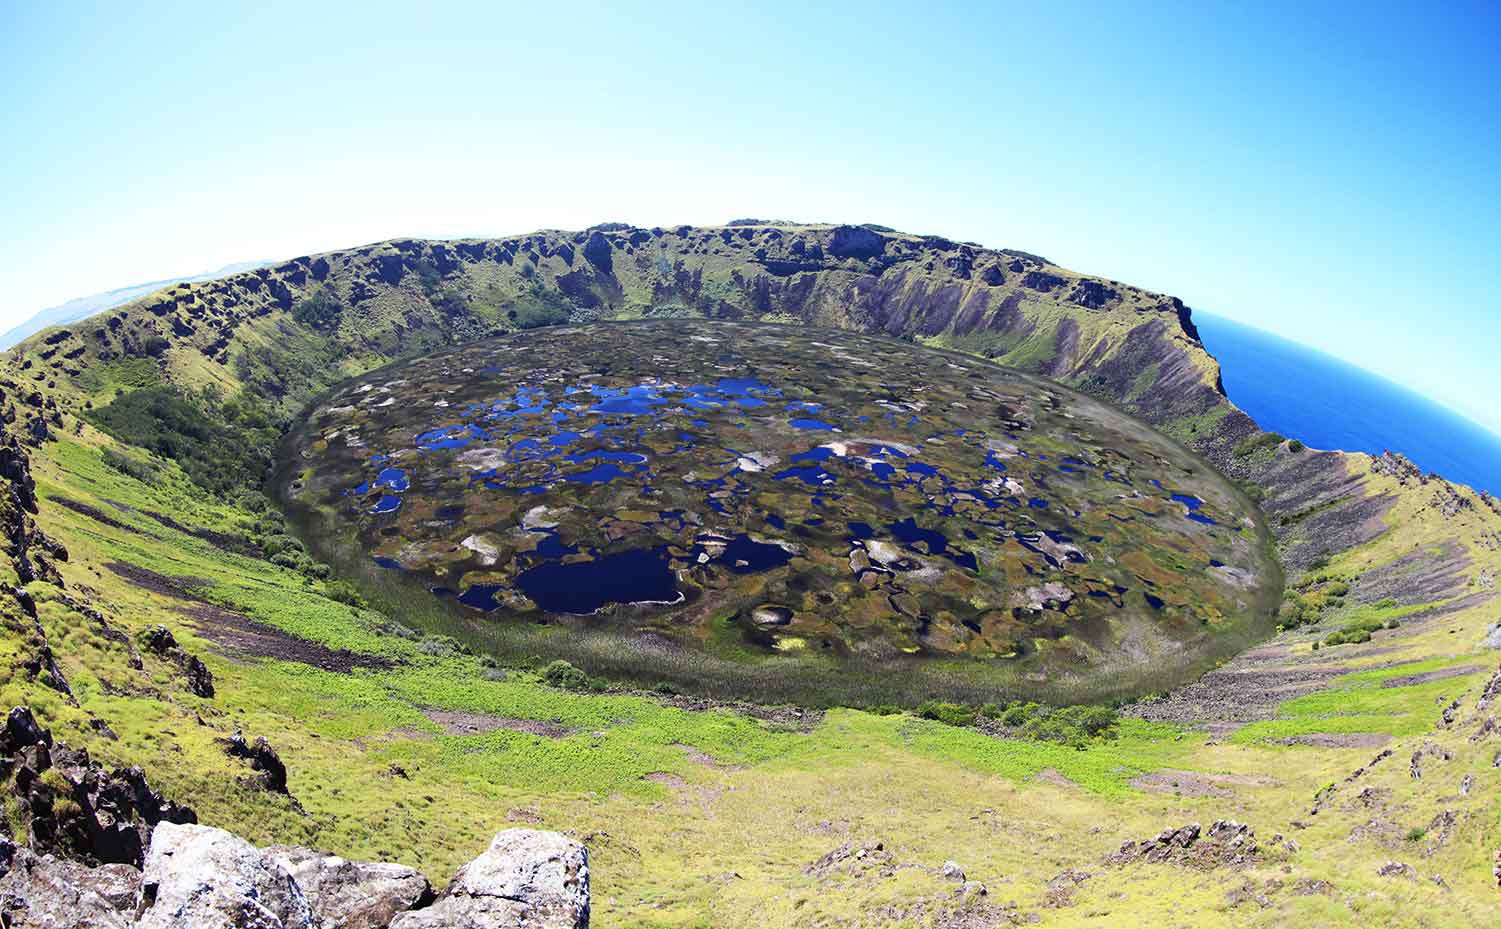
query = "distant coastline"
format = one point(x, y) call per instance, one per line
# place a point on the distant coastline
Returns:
point(1328, 403)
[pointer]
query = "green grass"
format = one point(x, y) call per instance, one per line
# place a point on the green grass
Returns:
point(1357, 702)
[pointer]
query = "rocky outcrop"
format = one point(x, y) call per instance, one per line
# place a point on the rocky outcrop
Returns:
point(71, 806)
point(1397, 466)
point(88, 863)
point(159, 640)
point(199, 876)
point(856, 242)
point(1226, 843)
point(537, 880)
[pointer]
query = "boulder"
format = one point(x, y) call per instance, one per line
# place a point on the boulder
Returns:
point(204, 877)
point(263, 759)
point(353, 894)
point(1492, 637)
point(526, 879)
point(44, 892)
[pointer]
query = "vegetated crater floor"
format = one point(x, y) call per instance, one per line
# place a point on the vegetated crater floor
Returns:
point(782, 498)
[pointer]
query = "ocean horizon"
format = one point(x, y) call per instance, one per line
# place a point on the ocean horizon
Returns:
point(1328, 403)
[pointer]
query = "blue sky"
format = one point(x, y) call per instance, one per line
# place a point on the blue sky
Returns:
point(1329, 173)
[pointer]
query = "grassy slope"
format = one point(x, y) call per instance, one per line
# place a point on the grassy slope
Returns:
point(711, 818)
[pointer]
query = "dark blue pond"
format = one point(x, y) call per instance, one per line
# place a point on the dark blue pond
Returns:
point(745, 555)
point(392, 478)
point(814, 424)
point(638, 576)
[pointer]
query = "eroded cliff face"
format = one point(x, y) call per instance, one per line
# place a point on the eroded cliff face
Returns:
point(398, 298)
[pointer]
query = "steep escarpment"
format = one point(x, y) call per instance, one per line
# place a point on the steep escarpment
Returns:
point(271, 329)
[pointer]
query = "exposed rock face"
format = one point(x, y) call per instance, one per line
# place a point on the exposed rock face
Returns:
point(98, 816)
point(1093, 295)
point(45, 892)
point(856, 242)
point(353, 894)
point(200, 876)
point(1397, 466)
point(536, 880)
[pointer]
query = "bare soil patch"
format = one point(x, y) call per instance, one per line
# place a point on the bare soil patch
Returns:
point(1338, 739)
point(239, 636)
point(699, 757)
point(1439, 675)
point(460, 722)
point(94, 513)
point(1429, 573)
point(1419, 622)
point(1198, 783)
point(1054, 777)
point(175, 587)
point(223, 541)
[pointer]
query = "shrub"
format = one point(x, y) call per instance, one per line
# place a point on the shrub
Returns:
point(1356, 632)
point(952, 714)
point(224, 447)
point(1017, 713)
point(441, 646)
point(143, 470)
point(342, 591)
point(1075, 726)
point(321, 311)
point(564, 676)
point(1295, 446)
point(1257, 442)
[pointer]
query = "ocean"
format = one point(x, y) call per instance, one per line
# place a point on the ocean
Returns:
point(1331, 404)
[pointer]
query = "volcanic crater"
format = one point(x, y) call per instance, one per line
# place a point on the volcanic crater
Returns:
point(756, 492)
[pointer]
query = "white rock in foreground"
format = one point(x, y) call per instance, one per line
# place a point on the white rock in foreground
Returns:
point(209, 879)
point(525, 880)
point(353, 894)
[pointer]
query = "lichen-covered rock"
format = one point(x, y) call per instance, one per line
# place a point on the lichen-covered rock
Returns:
point(353, 894)
point(526, 879)
point(45, 892)
point(209, 879)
